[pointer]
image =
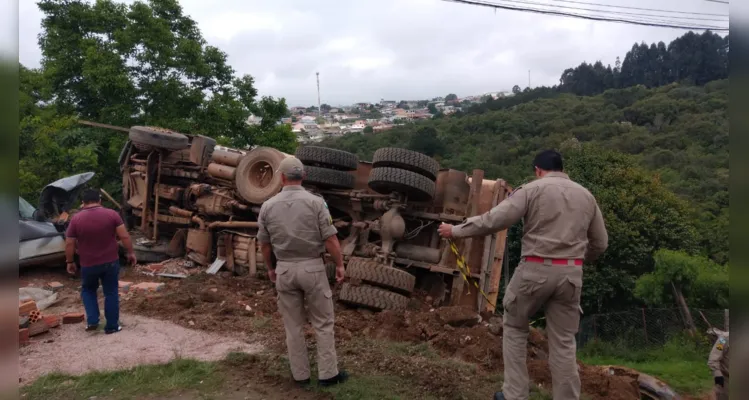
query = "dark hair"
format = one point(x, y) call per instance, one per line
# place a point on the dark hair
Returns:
point(91, 196)
point(549, 160)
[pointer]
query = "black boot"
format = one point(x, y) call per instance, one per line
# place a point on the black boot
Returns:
point(499, 396)
point(340, 378)
point(303, 383)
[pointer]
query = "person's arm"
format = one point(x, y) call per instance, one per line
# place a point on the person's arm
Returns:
point(127, 242)
point(332, 245)
point(504, 215)
point(266, 249)
point(598, 238)
point(70, 242)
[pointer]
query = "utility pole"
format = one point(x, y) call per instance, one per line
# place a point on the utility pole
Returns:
point(529, 79)
point(319, 111)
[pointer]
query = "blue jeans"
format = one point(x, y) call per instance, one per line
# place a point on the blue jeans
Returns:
point(109, 275)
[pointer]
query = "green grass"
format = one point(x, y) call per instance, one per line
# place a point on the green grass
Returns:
point(145, 380)
point(681, 363)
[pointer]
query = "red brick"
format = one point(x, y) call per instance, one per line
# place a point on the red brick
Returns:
point(38, 327)
point(72, 318)
point(23, 336)
point(53, 321)
point(26, 307)
point(54, 286)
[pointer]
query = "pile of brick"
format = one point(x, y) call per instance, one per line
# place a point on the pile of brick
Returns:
point(32, 322)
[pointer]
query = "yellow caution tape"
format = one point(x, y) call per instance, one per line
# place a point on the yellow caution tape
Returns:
point(465, 271)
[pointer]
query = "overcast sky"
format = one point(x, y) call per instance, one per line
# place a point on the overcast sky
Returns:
point(366, 50)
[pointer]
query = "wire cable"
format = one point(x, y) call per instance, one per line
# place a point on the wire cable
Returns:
point(590, 17)
point(641, 9)
point(612, 12)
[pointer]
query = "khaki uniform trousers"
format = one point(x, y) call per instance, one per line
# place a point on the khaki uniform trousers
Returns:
point(721, 392)
point(299, 284)
point(557, 289)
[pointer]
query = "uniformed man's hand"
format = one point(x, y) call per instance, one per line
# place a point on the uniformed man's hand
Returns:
point(445, 230)
point(339, 273)
point(272, 275)
point(719, 381)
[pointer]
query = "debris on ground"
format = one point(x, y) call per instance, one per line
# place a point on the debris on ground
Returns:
point(173, 268)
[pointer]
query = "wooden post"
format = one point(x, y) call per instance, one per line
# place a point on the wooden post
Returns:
point(477, 179)
point(147, 194)
point(229, 253)
point(644, 325)
point(156, 206)
point(253, 258)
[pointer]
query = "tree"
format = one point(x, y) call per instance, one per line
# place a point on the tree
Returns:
point(451, 97)
point(325, 107)
point(683, 274)
point(145, 63)
point(368, 129)
point(425, 140)
point(432, 108)
point(516, 89)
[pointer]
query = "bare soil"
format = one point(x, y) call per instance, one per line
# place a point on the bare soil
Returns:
point(245, 309)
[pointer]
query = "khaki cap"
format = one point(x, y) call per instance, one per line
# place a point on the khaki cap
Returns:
point(290, 166)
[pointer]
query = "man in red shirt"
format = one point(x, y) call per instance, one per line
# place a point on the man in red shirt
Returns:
point(93, 232)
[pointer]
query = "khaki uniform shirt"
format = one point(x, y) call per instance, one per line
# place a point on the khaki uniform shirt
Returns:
point(561, 219)
point(296, 223)
point(718, 359)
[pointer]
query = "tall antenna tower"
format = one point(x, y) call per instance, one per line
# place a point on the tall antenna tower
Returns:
point(319, 111)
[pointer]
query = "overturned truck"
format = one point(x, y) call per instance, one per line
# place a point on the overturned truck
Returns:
point(183, 195)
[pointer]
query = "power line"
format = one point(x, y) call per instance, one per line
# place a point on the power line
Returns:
point(718, 1)
point(590, 17)
point(610, 12)
point(643, 9)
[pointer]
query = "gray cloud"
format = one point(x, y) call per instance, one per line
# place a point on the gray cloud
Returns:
point(397, 49)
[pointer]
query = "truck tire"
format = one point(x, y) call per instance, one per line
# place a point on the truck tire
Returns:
point(256, 178)
point(385, 180)
point(372, 297)
point(406, 159)
point(149, 137)
point(327, 158)
point(374, 273)
point(328, 178)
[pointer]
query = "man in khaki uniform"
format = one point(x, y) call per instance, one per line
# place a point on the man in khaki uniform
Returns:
point(718, 363)
point(295, 226)
point(562, 226)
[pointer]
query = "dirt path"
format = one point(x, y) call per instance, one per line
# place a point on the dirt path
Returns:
point(71, 350)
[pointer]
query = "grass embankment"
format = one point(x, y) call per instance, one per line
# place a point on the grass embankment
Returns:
point(381, 370)
point(681, 362)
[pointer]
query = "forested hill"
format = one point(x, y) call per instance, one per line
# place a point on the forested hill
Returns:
point(680, 132)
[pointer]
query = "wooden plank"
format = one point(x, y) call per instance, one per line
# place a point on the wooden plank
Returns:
point(216, 266)
point(253, 257)
point(467, 247)
point(229, 251)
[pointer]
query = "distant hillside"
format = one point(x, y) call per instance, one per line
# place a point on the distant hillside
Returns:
point(678, 131)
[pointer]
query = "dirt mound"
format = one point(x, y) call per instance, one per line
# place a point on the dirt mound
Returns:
point(241, 304)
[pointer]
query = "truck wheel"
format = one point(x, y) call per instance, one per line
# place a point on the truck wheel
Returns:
point(256, 179)
point(328, 158)
point(148, 137)
point(328, 178)
point(374, 273)
point(372, 297)
point(417, 187)
point(406, 159)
